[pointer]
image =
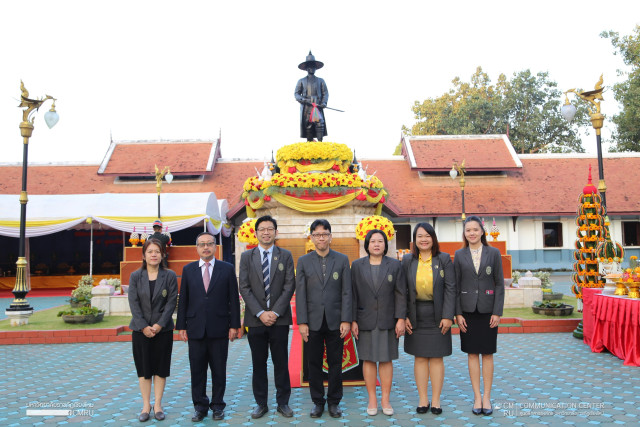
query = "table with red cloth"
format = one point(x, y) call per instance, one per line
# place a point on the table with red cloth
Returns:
point(588, 317)
point(617, 327)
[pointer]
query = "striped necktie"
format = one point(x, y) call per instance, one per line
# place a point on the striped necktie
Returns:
point(265, 277)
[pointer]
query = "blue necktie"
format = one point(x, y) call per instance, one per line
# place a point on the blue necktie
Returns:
point(265, 276)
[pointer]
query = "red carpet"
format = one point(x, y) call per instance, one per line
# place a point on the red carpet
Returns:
point(295, 357)
point(49, 292)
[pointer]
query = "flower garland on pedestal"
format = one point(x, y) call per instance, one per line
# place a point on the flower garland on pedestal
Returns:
point(247, 233)
point(314, 156)
point(375, 222)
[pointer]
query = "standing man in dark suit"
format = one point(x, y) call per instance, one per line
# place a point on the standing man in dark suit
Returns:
point(267, 282)
point(324, 314)
point(208, 317)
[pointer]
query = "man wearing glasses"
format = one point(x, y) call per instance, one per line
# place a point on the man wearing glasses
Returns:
point(208, 317)
point(323, 309)
point(267, 282)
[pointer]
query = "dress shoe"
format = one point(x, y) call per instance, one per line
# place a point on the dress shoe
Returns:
point(285, 411)
point(372, 411)
point(436, 411)
point(218, 414)
point(198, 416)
point(259, 411)
point(423, 409)
point(387, 411)
point(487, 411)
point(143, 417)
point(477, 411)
point(334, 410)
point(317, 411)
point(159, 415)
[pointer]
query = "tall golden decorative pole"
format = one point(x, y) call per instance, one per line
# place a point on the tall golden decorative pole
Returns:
point(20, 310)
point(593, 97)
point(164, 173)
point(455, 170)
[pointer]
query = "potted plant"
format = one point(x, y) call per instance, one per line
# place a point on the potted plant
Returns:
point(82, 315)
point(547, 286)
point(549, 308)
point(81, 296)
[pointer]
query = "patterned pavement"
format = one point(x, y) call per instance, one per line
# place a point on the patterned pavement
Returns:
point(540, 379)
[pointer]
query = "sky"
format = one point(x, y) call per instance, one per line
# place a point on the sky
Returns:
point(176, 70)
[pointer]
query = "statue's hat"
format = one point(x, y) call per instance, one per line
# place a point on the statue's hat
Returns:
point(311, 60)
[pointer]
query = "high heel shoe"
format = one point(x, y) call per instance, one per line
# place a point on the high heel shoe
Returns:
point(488, 411)
point(423, 409)
point(387, 411)
point(372, 411)
point(477, 411)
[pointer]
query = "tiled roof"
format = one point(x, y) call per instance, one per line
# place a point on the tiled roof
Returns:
point(480, 152)
point(226, 181)
point(135, 158)
point(545, 185)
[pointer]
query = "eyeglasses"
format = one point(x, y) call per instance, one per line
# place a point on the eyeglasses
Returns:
point(266, 230)
point(206, 244)
point(321, 235)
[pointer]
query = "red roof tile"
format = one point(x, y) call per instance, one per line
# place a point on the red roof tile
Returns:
point(545, 185)
point(140, 157)
point(480, 152)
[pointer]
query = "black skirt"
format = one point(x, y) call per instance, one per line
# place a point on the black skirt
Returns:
point(480, 338)
point(427, 339)
point(152, 356)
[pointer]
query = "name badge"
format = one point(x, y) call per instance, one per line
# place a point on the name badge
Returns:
point(442, 273)
point(164, 293)
point(489, 270)
point(335, 275)
point(280, 267)
point(489, 292)
point(390, 278)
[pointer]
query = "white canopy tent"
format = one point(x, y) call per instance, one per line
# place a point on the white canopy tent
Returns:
point(48, 214)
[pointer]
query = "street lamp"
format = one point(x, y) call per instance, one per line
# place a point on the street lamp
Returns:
point(568, 111)
point(166, 174)
point(455, 170)
point(20, 310)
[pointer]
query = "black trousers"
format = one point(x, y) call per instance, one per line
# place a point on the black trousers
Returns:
point(314, 349)
point(261, 340)
point(203, 354)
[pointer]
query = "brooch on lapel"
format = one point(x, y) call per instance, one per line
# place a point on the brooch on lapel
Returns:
point(390, 278)
point(164, 293)
point(280, 267)
point(442, 273)
point(275, 258)
point(489, 270)
point(335, 275)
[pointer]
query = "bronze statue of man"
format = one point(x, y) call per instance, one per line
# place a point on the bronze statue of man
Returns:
point(312, 94)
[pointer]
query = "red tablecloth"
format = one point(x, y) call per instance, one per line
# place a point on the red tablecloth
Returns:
point(588, 317)
point(617, 327)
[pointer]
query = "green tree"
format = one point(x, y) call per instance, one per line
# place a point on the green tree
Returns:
point(527, 108)
point(627, 93)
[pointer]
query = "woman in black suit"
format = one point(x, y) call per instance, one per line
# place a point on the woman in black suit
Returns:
point(430, 309)
point(379, 309)
point(479, 303)
point(152, 299)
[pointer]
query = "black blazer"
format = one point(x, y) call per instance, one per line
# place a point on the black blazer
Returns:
point(316, 298)
point(282, 284)
point(147, 311)
point(382, 307)
point(209, 314)
point(444, 286)
point(483, 290)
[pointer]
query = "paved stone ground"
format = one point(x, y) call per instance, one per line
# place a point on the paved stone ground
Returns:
point(540, 379)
